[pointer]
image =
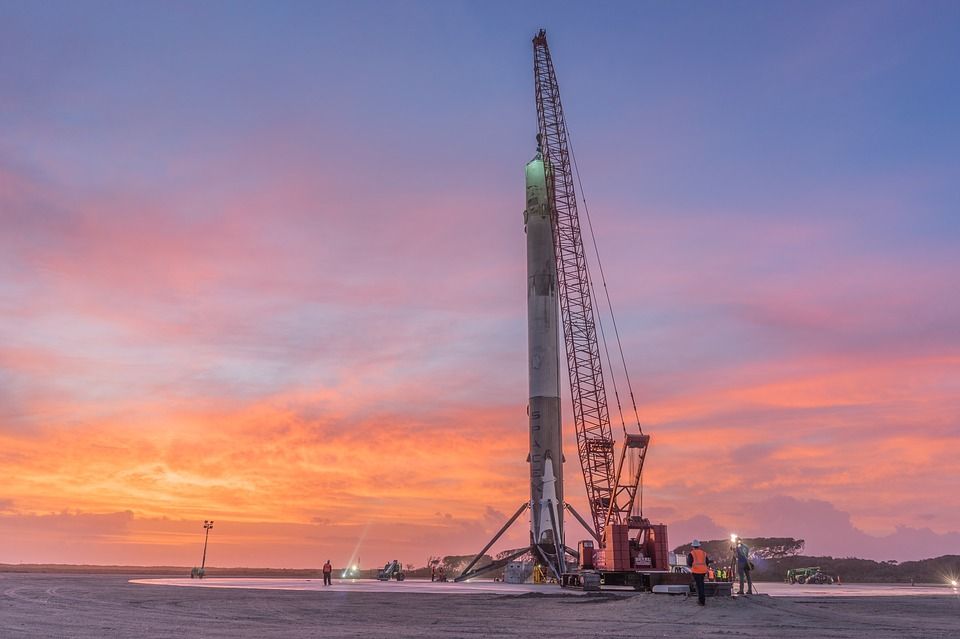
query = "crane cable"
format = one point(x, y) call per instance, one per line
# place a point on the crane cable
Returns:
point(593, 299)
point(603, 338)
point(606, 291)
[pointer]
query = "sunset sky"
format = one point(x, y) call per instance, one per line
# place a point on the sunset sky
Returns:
point(263, 263)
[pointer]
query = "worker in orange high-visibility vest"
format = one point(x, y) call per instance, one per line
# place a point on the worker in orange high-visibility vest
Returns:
point(699, 564)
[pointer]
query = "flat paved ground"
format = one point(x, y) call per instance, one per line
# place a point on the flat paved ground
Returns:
point(490, 587)
point(412, 586)
point(95, 606)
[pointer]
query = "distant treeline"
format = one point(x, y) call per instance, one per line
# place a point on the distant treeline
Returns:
point(773, 556)
point(160, 571)
point(851, 570)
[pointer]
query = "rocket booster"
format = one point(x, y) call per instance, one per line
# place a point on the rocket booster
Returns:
point(546, 456)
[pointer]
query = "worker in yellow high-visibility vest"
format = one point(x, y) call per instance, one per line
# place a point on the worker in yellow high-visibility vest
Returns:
point(699, 564)
point(538, 576)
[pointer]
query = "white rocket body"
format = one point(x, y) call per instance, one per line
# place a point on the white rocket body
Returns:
point(543, 333)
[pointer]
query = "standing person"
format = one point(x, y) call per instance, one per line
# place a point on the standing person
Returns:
point(327, 570)
point(698, 562)
point(744, 567)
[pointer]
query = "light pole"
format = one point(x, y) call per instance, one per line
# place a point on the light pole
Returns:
point(207, 525)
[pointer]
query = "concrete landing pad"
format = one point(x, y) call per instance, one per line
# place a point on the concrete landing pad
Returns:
point(852, 590)
point(410, 586)
point(417, 586)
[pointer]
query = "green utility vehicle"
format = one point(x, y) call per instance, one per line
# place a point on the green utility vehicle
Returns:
point(809, 576)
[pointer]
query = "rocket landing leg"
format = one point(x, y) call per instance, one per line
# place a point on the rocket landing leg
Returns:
point(545, 553)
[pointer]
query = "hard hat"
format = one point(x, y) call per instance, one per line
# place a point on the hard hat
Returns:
point(696, 543)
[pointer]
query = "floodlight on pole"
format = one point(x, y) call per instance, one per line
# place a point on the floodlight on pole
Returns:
point(207, 525)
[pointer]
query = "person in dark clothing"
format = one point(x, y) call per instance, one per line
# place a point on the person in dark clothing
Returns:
point(698, 562)
point(327, 571)
point(744, 566)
